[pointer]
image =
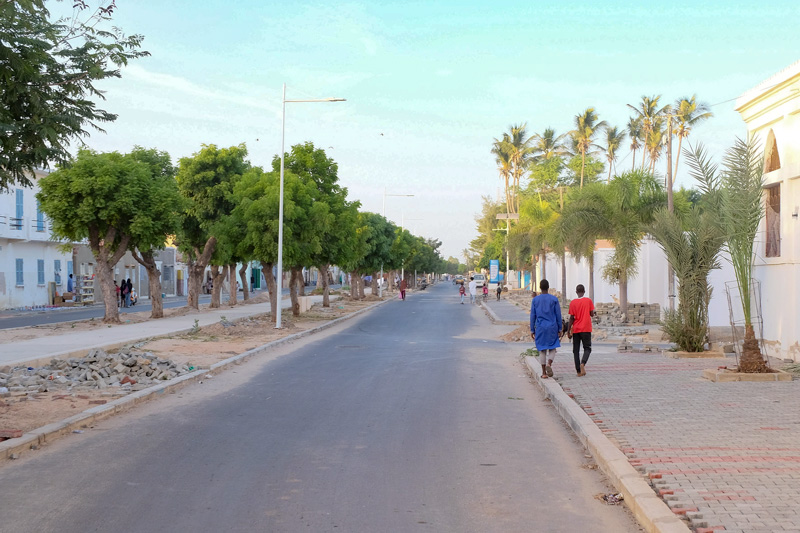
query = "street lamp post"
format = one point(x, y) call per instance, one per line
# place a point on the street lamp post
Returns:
point(380, 285)
point(284, 101)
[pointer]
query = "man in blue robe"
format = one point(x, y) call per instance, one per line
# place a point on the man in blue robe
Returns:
point(546, 324)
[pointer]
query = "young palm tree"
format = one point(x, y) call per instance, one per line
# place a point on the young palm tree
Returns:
point(648, 111)
point(584, 220)
point(548, 145)
point(692, 247)
point(634, 130)
point(737, 192)
point(688, 113)
point(586, 128)
point(613, 139)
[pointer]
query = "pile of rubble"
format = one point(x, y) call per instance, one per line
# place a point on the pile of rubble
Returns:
point(126, 370)
point(610, 314)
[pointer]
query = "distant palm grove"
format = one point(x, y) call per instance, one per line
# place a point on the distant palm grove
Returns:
point(569, 191)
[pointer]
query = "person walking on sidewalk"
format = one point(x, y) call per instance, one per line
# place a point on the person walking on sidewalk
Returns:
point(403, 287)
point(485, 291)
point(581, 311)
point(499, 290)
point(473, 290)
point(462, 291)
point(546, 323)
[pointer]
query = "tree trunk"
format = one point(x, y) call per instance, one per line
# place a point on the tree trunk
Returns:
point(623, 296)
point(583, 165)
point(218, 275)
point(326, 288)
point(301, 283)
point(677, 158)
point(233, 298)
point(147, 260)
point(564, 275)
point(361, 285)
point(354, 285)
point(197, 267)
point(295, 281)
point(105, 268)
point(633, 165)
point(591, 276)
point(543, 256)
point(752, 360)
point(245, 283)
point(272, 288)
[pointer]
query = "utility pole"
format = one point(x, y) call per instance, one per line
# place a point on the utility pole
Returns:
point(508, 217)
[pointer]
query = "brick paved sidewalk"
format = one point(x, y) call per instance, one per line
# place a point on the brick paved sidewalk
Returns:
point(725, 455)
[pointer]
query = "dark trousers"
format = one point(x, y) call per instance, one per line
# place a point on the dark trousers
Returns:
point(584, 337)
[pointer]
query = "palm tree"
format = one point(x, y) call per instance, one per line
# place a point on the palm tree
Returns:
point(692, 247)
point(737, 193)
point(654, 142)
point(548, 145)
point(582, 222)
point(648, 111)
point(586, 128)
point(515, 145)
point(634, 129)
point(504, 167)
point(613, 138)
point(688, 112)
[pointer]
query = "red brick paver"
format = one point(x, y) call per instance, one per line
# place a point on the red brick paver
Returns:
point(725, 455)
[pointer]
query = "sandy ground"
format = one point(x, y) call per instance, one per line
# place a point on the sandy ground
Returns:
point(25, 412)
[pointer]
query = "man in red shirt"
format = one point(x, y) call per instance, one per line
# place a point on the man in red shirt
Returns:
point(581, 311)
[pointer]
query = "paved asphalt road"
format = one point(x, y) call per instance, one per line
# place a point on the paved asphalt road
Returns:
point(412, 418)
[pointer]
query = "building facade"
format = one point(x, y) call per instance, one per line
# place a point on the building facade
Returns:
point(771, 111)
point(32, 265)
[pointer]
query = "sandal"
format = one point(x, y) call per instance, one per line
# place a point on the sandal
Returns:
point(549, 370)
point(544, 376)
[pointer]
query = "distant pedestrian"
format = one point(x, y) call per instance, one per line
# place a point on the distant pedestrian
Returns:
point(546, 324)
point(403, 287)
point(499, 290)
point(118, 290)
point(70, 284)
point(463, 292)
point(581, 311)
point(473, 290)
point(252, 283)
point(127, 291)
point(485, 291)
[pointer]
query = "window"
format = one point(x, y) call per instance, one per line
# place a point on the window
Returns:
point(772, 160)
point(40, 271)
point(20, 272)
point(773, 220)
point(167, 274)
point(57, 270)
point(16, 223)
point(39, 218)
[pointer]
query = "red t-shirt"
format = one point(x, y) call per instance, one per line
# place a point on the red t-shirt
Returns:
point(581, 309)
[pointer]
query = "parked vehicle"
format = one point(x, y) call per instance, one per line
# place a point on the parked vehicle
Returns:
point(459, 280)
point(480, 279)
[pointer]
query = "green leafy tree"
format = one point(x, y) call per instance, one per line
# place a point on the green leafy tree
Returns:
point(49, 71)
point(591, 168)
point(206, 182)
point(337, 245)
point(97, 197)
point(156, 218)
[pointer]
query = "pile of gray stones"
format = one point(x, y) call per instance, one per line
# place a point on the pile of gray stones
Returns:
point(124, 371)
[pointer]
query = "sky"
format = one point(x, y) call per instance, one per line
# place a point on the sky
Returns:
point(429, 85)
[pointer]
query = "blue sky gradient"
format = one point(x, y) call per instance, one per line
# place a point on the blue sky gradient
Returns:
point(429, 85)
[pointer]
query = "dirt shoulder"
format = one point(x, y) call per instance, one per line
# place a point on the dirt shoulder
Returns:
point(25, 410)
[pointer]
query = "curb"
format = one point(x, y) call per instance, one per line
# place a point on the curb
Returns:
point(649, 510)
point(496, 319)
point(47, 434)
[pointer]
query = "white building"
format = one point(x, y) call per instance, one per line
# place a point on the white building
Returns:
point(771, 111)
point(29, 259)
